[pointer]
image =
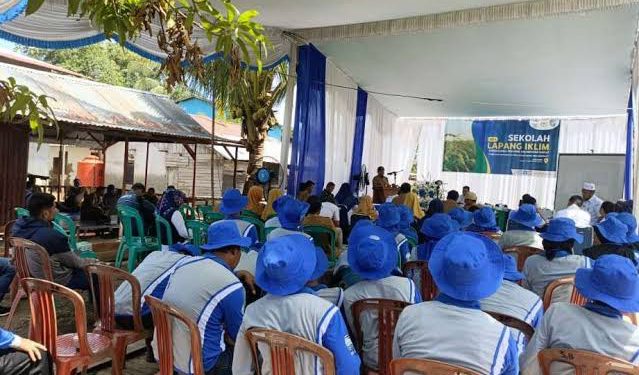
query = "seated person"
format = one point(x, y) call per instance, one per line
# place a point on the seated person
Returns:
point(373, 257)
point(462, 217)
point(406, 220)
point(610, 237)
point(346, 198)
point(255, 198)
point(332, 295)
point(466, 267)
point(20, 356)
point(327, 194)
point(470, 202)
point(606, 208)
point(110, 200)
point(558, 260)
point(389, 219)
point(135, 199)
point(412, 202)
point(451, 201)
point(74, 198)
point(436, 206)
point(233, 202)
point(575, 212)
point(192, 288)
point(513, 300)
point(268, 211)
point(329, 210)
point(91, 211)
point(274, 221)
point(365, 208)
point(434, 229)
point(151, 197)
point(284, 266)
point(67, 266)
point(521, 228)
point(169, 209)
point(612, 288)
point(290, 213)
point(484, 221)
point(632, 239)
point(314, 217)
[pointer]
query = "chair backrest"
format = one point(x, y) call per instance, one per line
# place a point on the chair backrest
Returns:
point(21, 212)
point(259, 225)
point(25, 249)
point(44, 326)
point(562, 285)
point(212, 217)
point(108, 279)
point(163, 315)
point(578, 248)
point(252, 214)
point(323, 237)
point(426, 367)
point(387, 312)
point(203, 210)
point(188, 213)
point(69, 227)
point(356, 217)
point(418, 272)
point(492, 235)
point(284, 348)
point(8, 227)
point(585, 363)
point(130, 217)
point(163, 226)
point(198, 231)
point(512, 322)
point(521, 253)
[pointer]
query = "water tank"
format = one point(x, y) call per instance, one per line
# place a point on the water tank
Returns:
point(91, 171)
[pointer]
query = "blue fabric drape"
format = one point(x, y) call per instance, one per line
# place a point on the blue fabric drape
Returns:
point(309, 132)
point(358, 138)
point(629, 141)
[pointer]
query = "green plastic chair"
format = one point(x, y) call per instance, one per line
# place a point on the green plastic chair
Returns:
point(259, 225)
point(161, 224)
point(65, 225)
point(320, 235)
point(199, 230)
point(268, 230)
point(502, 219)
point(21, 212)
point(188, 213)
point(252, 214)
point(203, 209)
point(212, 217)
point(137, 245)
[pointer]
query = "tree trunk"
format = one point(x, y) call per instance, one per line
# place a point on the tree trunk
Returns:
point(255, 162)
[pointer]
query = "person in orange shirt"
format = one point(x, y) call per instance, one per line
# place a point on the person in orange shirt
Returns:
point(451, 201)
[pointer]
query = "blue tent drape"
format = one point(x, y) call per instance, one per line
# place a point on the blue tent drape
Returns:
point(358, 138)
point(627, 183)
point(309, 132)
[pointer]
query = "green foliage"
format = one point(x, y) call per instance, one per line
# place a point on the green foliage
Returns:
point(459, 156)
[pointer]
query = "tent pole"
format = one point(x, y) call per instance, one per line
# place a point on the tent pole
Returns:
point(146, 165)
point(126, 164)
point(61, 157)
point(235, 169)
point(213, 148)
point(288, 115)
point(194, 169)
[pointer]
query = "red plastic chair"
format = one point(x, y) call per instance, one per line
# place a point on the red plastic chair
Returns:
point(107, 278)
point(419, 273)
point(575, 298)
point(426, 367)
point(162, 314)
point(21, 248)
point(284, 348)
point(585, 363)
point(387, 315)
point(71, 351)
point(521, 253)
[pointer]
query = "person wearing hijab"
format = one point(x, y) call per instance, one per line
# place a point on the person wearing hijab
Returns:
point(255, 198)
point(389, 219)
point(404, 190)
point(269, 212)
point(513, 300)
point(345, 197)
point(233, 202)
point(290, 213)
point(484, 221)
point(467, 268)
point(523, 233)
point(373, 258)
point(436, 206)
point(611, 237)
point(169, 209)
point(434, 229)
point(365, 207)
point(462, 217)
point(557, 261)
point(284, 267)
point(612, 288)
point(412, 202)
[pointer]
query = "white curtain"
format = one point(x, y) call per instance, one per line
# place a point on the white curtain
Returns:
point(596, 135)
point(341, 103)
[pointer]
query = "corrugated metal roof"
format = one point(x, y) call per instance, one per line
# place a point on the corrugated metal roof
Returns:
point(96, 104)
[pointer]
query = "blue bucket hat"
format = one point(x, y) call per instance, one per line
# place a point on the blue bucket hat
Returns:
point(485, 218)
point(224, 233)
point(372, 253)
point(631, 223)
point(560, 230)
point(406, 217)
point(233, 202)
point(290, 213)
point(612, 280)
point(510, 269)
point(321, 263)
point(279, 201)
point(467, 266)
point(285, 264)
point(438, 226)
point(613, 230)
point(462, 217)
point(527, 216)
point(185, 248)
point(388, 216)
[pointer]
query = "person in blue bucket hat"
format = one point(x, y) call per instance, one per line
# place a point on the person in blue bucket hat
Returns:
point(389, 219)
point(521, 228)
point(612, 288)
point(284, 266)
point(630, 222)
point(373, 257)
point(290, 213)
point(484, 220)
point(513, 300)
point(233, 202)
point(435, 228)
point(209, 291)
point(462, 217)
point(406, 220)
point(557, 260)
point(333, 295)
point(466, 267)
point(611, 237)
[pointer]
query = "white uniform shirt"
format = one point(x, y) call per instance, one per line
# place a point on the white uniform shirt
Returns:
point(180, 226)
point(273, 222)
point(539, 272)
point(571, 326)
point(512, 238)
point(592, 206)
point(279, 232)
point(330, 211)
point(332, 295)
point(463, 336)
point(581, 217)
point(392, 287)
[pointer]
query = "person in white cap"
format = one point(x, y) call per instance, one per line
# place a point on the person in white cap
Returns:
point(592, 203)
